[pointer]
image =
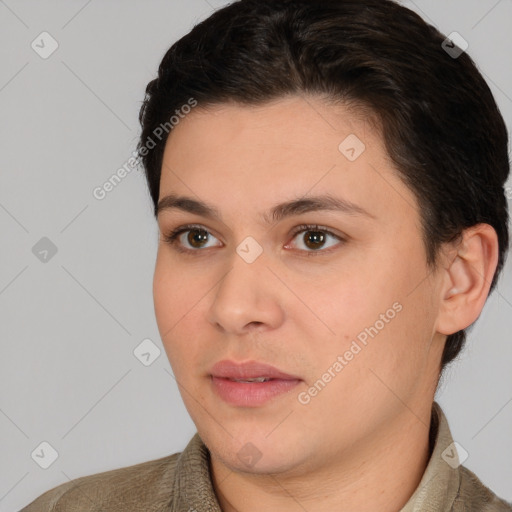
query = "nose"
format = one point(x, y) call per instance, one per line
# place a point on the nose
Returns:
point(248, 297)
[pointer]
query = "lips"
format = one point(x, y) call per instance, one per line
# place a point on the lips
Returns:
point(250, 384)
point(249, 371)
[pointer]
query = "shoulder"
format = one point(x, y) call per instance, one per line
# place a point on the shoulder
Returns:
point(473, 495)
point(146, 486)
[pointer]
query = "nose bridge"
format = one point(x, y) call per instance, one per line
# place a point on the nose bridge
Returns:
point(246, 294)
point(248, 267)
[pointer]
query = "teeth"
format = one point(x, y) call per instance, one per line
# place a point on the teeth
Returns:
point(257, 379)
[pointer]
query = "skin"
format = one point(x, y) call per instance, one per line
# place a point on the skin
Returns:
point(362, 442)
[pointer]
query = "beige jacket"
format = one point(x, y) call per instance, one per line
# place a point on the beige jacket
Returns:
point(181, 483)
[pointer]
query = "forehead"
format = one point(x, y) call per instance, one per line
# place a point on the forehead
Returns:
point(287, 122)
point(251, 156)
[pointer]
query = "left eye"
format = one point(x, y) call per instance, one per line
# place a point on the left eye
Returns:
point(313, 239)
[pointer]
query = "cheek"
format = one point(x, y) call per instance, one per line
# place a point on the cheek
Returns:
point(176, 305)
point(348, 301)
point(380, 310)
point(175, 292)
point(394, 340)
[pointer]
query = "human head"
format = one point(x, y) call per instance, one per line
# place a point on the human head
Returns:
point(251, 130)
point(440, 123)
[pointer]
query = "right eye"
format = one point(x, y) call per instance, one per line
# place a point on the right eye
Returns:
point(197, 235)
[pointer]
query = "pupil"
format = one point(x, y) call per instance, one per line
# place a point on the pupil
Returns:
point(317, 237)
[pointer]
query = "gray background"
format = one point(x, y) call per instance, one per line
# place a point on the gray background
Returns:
point(69, 326)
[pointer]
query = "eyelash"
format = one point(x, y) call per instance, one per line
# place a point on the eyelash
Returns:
point(172, 237)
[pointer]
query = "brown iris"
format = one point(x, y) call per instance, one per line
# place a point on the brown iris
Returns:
point(197, 236)
point(313, 239)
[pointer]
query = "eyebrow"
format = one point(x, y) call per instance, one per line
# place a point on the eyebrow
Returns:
point(280, 211)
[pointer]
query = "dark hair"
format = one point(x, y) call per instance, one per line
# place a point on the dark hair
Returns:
point(440, 122)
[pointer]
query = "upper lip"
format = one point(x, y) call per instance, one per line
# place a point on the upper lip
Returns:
point(248, 370)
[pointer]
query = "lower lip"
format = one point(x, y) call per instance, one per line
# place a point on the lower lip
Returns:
point(251, 394)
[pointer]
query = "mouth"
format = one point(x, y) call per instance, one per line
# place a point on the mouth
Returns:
point(256, 379)
point(251, 393)
point(250, 384)
point(249, 371)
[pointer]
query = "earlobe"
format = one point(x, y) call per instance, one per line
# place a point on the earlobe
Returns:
point(467, 279)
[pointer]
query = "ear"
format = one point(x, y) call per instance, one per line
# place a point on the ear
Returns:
point(467, 278)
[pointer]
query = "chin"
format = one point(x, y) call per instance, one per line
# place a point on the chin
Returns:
point(273, 463)
point(254, 451)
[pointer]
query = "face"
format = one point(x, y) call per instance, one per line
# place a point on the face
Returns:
point(339, 298)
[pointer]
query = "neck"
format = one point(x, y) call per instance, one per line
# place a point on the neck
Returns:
point(377, 474)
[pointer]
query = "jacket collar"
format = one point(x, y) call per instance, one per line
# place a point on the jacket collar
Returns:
point(437, 490)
